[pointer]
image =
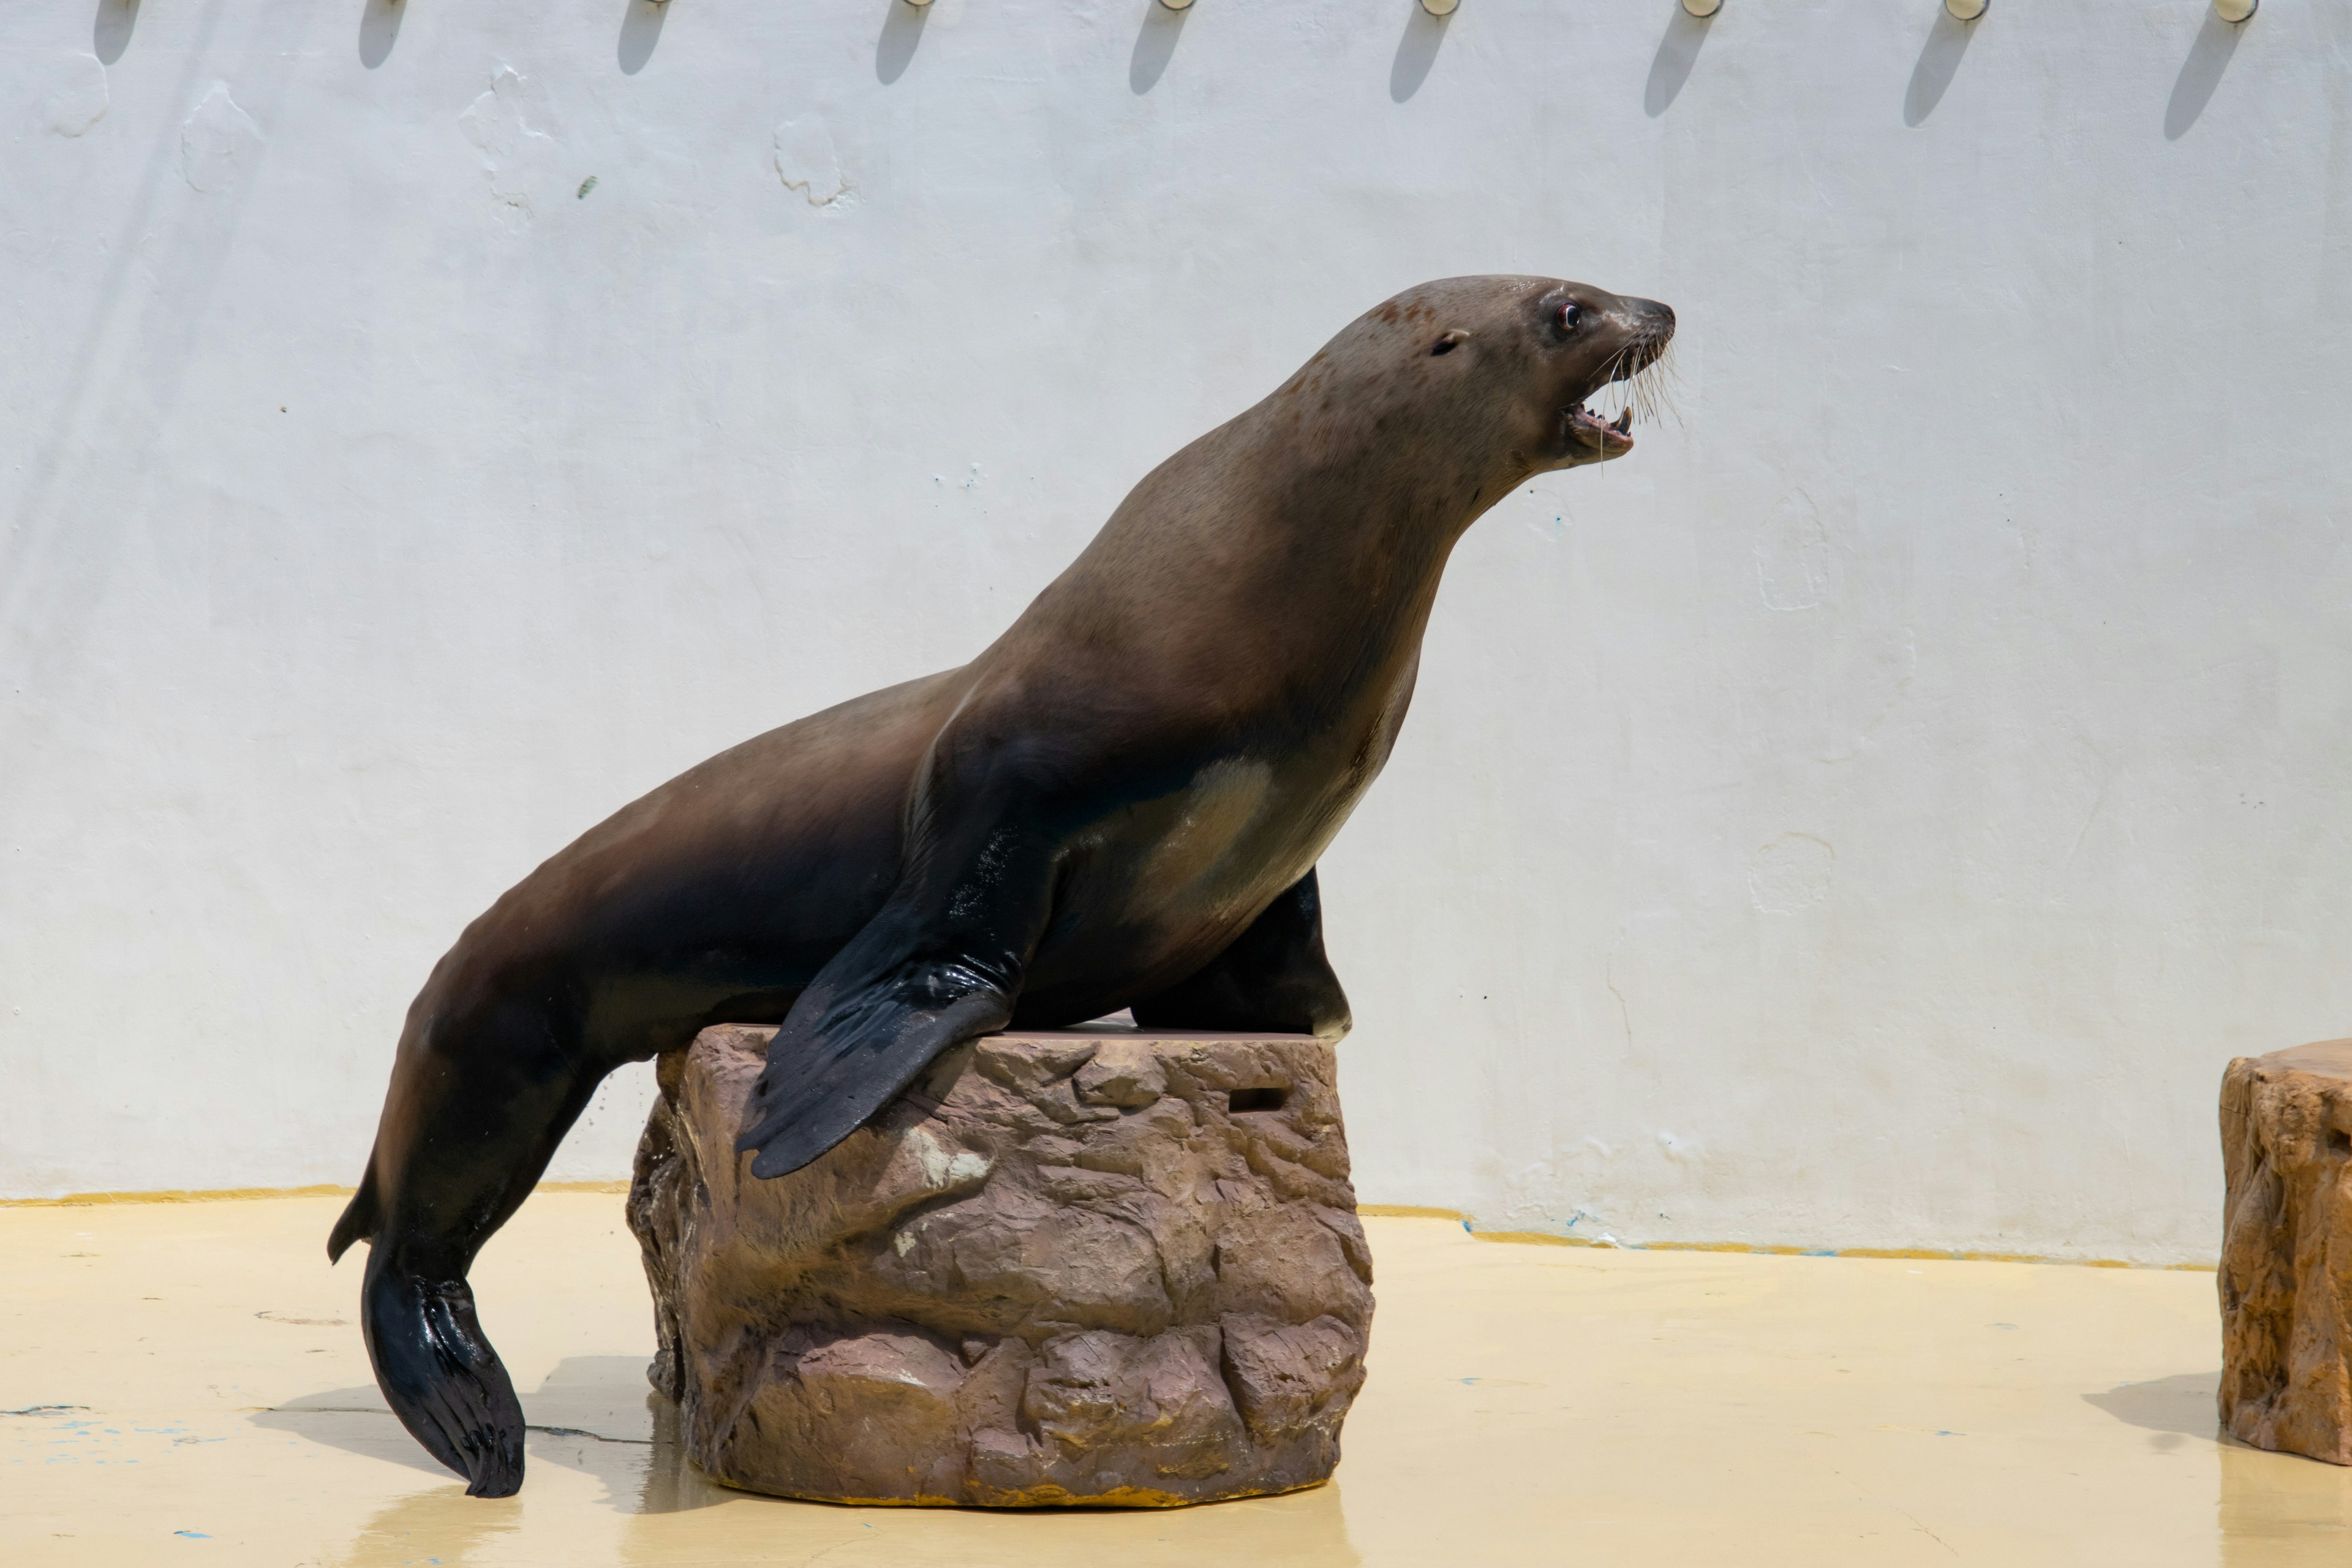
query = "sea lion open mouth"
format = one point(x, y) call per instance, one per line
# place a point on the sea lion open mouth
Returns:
point(1600, 437)
point(1586, 427)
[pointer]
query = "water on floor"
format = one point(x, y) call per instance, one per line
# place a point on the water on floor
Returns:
point(184, 1383)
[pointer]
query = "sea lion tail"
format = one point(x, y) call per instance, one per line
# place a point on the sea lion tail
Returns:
point(360, 1216)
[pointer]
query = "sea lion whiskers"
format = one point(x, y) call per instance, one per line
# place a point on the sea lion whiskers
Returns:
point(1655, 383)
point(1646, 372)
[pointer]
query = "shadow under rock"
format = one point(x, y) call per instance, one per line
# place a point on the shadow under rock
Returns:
point(2183, 1403)
point(591, 1414)
point(355, 1420)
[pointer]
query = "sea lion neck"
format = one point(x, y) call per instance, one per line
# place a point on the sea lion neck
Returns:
point(1288, 560)
point(1261, 547)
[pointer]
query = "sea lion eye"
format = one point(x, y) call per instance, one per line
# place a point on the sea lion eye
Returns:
point(1447, 341)
point(1570, 315)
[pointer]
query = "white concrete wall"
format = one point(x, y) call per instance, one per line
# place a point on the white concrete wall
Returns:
point(1870, 814)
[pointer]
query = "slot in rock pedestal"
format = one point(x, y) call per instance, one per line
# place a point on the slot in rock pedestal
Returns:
point(1116, 1268)
point(2286, 1251)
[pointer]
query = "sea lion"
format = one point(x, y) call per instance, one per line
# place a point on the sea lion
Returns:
point(1118, 804)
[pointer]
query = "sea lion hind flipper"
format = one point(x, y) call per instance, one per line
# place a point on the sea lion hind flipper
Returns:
point(441, 1378)
point(1273, 975)
point(360, 1216)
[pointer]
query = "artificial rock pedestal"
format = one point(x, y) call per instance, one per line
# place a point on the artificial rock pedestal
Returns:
point(2286, 1251)
point(1118, 1268)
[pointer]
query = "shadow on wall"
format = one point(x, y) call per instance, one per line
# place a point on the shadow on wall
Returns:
point(1939, 61)
point(1154, 45)
point(1670, 66)
point(641, 26)
point(379, 27)
point(2201, 73)
point(109, 35)
point(1416, 51)
point(902, 29)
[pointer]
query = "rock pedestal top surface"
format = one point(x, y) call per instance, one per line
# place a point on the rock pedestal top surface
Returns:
point(2286, 1251)
point(1114, 1267)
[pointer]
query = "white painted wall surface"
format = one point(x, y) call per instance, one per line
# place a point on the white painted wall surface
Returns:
point(1872, 813)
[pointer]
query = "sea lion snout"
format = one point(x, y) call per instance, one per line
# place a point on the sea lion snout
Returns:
point(1600, 340)
point(1626, 334)
point(1653, 322)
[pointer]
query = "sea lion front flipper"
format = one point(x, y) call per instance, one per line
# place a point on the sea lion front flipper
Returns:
point(939, 965)
point(1274, 976)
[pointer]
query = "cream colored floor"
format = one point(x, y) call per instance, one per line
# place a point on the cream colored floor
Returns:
point(208, 1401)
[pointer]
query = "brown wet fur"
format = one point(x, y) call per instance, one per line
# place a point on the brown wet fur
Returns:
point(1118, 804)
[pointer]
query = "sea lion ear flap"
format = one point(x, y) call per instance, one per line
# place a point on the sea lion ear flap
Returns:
point(941, 965)
point(1448, 342)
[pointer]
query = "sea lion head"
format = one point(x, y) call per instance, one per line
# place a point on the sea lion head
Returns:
point(1498, 369)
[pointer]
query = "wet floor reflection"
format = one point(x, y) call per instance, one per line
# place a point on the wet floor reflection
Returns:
point(442, 1526)
point(2273, 1510)
point(2283, 1511)
point(595, 1417)
point(671, 1485)
point(1302, 1530)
